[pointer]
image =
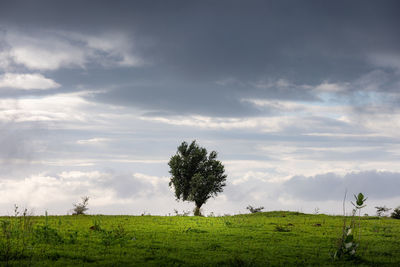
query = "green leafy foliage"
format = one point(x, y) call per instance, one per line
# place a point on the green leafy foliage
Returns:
point(96, 225)
point(396, 213)
point(360, 200)
point(196, 176)
point(347, 246)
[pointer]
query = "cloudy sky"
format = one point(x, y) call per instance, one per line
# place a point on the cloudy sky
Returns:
point(299, 98)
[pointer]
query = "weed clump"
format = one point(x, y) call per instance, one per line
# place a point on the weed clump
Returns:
point(46, 234)
point(15, 236)
point(96, 225)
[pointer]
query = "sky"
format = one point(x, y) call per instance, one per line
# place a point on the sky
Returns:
point(299, 98)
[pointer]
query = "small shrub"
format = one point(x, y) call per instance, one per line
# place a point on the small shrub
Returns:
point(380, 211)
point(253, 209)
point(396, 213)
point(81, 208)
point(116, 236)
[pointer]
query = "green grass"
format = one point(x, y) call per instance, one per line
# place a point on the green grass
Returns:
point(261, 239)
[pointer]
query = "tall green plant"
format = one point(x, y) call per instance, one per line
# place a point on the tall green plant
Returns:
point(348, 244)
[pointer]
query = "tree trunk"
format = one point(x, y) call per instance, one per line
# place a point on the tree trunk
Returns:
point(197, 210)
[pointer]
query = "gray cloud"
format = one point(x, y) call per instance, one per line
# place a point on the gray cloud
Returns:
point(136, 185)
point(206, 98)
point(21, 144)
point(199, 44)
point(19, 141)
point(330, 186)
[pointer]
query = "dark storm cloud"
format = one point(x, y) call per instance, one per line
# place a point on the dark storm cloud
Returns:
point(192, 45)
point(330, 186)
point(198, 98)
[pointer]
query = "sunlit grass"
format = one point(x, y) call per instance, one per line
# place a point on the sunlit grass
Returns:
point(260, 239)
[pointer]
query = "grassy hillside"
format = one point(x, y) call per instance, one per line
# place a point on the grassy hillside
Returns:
point(264, 239)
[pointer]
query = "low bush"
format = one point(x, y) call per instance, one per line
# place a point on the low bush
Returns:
point(253, 209)
point(396, 213)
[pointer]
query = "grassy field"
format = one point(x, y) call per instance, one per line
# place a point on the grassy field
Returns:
point(261, 239)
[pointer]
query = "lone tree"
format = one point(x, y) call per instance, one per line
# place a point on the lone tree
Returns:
point(81, 208)
point(195, 176)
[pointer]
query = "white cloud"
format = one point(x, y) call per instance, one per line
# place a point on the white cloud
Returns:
point(60, 107)
point(253, 175)
point(332, 87)
point(26, 81)
point(51, 50)
point(299, 108)
point(76, 175)
point(92, 141)
point(268, 124)
point(154, 180)
point(104, 188)
point(46, 53)
point(302, 117)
